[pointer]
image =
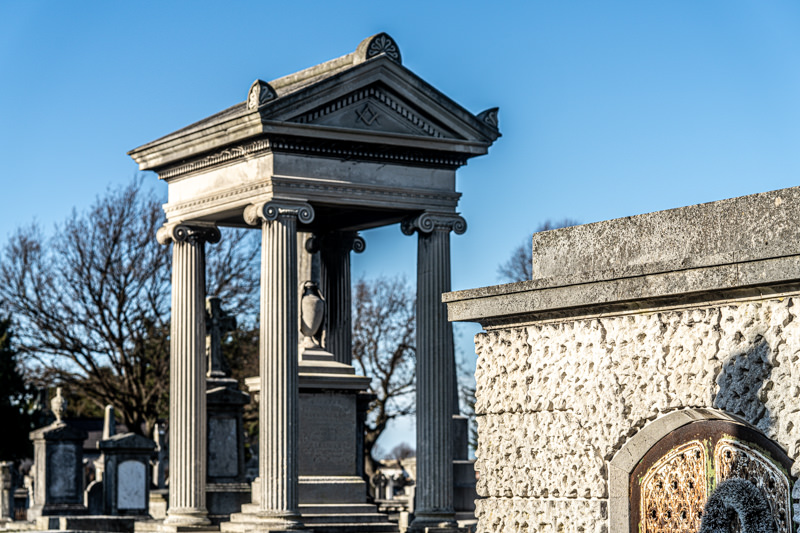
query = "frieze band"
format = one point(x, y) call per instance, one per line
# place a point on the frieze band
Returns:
point(427, 222)
point(272, 210)
point(188, 232)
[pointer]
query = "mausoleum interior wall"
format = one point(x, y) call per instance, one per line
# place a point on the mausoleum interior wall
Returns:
point(557, 399)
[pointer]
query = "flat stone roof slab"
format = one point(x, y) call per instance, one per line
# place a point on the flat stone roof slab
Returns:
point(741, 247)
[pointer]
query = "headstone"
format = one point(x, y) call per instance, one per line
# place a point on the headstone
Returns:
point(6, 491)
point(226, 484)
point(109, 430)
point(58, 477)
point(126, 482)
point(109, 423)
point(159, 475)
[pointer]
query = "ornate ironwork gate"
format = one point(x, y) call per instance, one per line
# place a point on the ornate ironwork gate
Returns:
point(670, 486)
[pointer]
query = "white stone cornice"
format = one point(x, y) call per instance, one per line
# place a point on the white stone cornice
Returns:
point(188, 232)
point(428, 222)
point(255, 213)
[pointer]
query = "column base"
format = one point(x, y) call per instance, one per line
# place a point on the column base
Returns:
point(252, 519)
point(434, 522)
point(185, 519)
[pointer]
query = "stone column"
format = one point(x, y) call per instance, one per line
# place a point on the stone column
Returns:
point(435, 371)
point(187, 387)
point(335, 286)
point(278, 363)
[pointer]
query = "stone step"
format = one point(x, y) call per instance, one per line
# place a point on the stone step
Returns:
point(354, 528)
point(366, 518)
point(337, 508)
point(340, 527)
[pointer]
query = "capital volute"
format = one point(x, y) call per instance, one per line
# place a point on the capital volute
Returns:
point(192, 232)
point(269, 211)
point(344, 241)
point(429, 222)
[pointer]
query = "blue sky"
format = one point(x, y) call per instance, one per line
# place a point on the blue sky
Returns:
point(607, 109)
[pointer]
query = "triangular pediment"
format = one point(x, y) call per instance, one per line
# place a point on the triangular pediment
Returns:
point(375, 108)
point(347, 99)
point(378, 95)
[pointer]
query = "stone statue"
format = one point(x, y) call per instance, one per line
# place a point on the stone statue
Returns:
point(737, 502)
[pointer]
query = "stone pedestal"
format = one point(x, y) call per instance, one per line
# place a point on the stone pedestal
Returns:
point(58, 456)
point(333, 494)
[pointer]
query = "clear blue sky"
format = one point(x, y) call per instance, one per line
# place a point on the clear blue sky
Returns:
point(607, 109)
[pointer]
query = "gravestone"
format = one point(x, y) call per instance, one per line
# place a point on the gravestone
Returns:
point(58, 477)
point(127, 474)
point(226, 484)
point(6, 491)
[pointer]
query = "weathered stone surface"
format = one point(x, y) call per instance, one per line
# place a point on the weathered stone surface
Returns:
point(517, 515)
point(742, 247)
point(223, 446)
point(741, 229)
point(327, 441)
point(556, 401)
point(131, 485)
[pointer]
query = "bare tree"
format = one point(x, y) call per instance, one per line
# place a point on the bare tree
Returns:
point(384, 320)
point(519, 264)
point(91, 303)
point(402, 451)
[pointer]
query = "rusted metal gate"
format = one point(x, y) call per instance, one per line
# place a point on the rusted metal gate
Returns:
point(671, 484)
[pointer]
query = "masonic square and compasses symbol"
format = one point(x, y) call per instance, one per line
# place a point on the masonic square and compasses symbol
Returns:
point(368, 115)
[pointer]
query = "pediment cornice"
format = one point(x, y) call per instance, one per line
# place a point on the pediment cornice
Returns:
point(367, 97)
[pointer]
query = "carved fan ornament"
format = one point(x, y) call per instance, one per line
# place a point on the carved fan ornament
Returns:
point(383, 44)
point(260, 93)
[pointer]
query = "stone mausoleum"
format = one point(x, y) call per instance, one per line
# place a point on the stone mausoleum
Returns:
point(355, 143)
point(649, 360)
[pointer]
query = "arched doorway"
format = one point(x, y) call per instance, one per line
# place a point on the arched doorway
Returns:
point(671, 483)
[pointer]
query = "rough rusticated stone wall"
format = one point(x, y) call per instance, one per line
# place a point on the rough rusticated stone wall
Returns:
point(555, 401)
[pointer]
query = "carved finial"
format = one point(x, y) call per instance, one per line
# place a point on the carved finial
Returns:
point(490, 117)
point(380, 44)
point(58, 405)
point(259, 94)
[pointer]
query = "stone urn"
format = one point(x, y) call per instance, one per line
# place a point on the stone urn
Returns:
point(58, 405)
point(312, 313)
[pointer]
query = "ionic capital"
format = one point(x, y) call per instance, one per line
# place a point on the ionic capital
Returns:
point(191, 232)
point(255, 213)
point(428, 222)
point(343, 241)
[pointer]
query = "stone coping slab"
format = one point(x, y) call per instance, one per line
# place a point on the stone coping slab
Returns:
point(747, 246)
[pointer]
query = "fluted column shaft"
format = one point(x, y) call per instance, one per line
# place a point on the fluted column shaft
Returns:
point(435, 371)
point(187, 391)
point(278, 365)
point(336, 287)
